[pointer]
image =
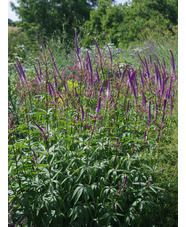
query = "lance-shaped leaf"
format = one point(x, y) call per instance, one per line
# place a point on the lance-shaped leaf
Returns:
point(172, 62)
point(98, 106)
point(149, 112)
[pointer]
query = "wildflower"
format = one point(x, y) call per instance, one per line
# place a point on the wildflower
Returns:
point(72, 84)
point(108, 92)
point(82, 113)
point(110, 54)
point(172, 62)
point(145, 134)
point(98, 106)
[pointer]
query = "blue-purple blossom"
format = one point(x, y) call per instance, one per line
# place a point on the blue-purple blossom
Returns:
point(35, 158)
point(164, 105)
point(162, 120)
point(108, 92)
point(171, 105)
point(117, 140)
point(98, 79)
point(82, 113)
point(39, 127)
point(125, 181)
point(145, 134)
point(128, 106)
point(110, 54)
point(144, 99)
point(38, 77)
point(101, 89)
point(97, 46)
point(172, 62)
point(98, 106)
point(91, 70)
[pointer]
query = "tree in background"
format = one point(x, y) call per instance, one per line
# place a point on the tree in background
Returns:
point(132, 21)
point(53, 18)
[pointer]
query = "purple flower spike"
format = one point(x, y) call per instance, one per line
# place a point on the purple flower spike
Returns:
point(90, 66)
point(39, 127)
point(144, 99)
point(156, 113)
point(164, 104)
point(101, 89)
point(145, 134)
point(171, 105)
point(35, 158)
point(141, 59)
point(141, 76)
point(172, 62)
point(82, 113)
point(117, 139)
point(98, 80)
point(38, 77)
point(76, 43)
point(55, 81)
point(128, 106)
point(125, 181)
point(108, 87)
point(40, 73)
point(110, 54)
point(149, 118)
point(98, 106)
point(97, 46)
point(162, 120)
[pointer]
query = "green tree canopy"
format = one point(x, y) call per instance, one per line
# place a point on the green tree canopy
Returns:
point(53, 17)
point(134, 20)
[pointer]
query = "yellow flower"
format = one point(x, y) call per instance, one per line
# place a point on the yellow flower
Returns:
point(72, 84)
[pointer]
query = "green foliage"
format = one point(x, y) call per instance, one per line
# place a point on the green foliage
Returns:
point(20, 45)
point(123, 24)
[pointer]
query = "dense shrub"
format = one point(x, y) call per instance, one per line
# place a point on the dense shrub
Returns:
point(87, 143)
